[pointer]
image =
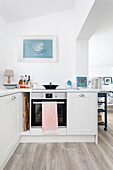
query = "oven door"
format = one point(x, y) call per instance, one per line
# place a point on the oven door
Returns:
point(36, 112)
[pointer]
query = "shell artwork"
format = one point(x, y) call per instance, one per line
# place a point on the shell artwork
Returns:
point(38, 47)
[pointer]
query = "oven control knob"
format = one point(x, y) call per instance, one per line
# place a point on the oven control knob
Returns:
point(56, 96)
point(41, 95)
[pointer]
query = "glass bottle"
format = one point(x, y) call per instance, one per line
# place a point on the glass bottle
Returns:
point(26, 80)
point(29, 81)
point(21, 81)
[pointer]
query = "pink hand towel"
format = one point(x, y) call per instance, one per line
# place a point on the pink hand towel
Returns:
point(49, 116)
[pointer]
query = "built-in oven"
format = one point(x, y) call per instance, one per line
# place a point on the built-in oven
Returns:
point(36, 107)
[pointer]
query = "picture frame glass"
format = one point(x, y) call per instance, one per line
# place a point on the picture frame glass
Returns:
point(37, 48)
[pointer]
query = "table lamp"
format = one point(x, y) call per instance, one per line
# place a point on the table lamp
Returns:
point(9, 73)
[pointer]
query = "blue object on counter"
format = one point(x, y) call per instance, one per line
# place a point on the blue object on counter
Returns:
point(69, 84)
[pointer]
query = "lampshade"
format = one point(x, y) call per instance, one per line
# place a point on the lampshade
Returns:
point(9, 73)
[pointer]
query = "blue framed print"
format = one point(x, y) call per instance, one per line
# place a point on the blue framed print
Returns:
point(37, 48)
point(81, 81)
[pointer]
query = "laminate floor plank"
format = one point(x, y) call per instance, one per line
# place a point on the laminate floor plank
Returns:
point(11, 165)
point(40, 157)
point(106, 149)
point(106, 135)
point(82, 157)
point(68, 160)
point(55, 157)
point(98, 157)
point(22, 148)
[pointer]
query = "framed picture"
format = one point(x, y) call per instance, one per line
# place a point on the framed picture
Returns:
point(81, 81)
point(107, 80)
point(41, 48)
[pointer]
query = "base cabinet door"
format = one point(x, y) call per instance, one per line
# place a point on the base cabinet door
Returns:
point(81, 113)
point(9, 125)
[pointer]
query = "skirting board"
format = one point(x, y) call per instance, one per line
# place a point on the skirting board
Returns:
point(47, 138)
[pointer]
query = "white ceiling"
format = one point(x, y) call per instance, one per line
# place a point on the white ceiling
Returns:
point(15, 10)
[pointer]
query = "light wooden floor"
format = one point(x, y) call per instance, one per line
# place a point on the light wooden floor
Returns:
point(66, 156)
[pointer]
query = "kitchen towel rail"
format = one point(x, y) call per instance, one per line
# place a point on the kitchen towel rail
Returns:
point(47, 101)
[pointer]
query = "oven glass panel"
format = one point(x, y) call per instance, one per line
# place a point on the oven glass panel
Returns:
point(61, 115)
point(36, 116)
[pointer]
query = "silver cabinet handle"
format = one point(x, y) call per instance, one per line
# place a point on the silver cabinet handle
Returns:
point(13, 98)
point(81, 95)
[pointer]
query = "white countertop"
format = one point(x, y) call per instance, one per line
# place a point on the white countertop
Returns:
point(5, 92)
point(61, 90)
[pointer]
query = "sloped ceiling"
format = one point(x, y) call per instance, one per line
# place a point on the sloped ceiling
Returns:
point(15, 10)
point(99, 12)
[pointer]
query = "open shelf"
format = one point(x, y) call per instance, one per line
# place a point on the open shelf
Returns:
point(101, 110)
point(101, 123)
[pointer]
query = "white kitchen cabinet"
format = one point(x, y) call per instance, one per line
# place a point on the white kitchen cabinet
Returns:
point(82, 113)
point(9, 126)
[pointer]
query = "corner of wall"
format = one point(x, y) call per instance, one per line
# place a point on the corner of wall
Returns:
point(3, 46)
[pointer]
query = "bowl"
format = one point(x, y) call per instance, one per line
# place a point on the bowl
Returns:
point(10, 86)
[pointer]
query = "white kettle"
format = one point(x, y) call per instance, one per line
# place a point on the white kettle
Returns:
point(96, 83)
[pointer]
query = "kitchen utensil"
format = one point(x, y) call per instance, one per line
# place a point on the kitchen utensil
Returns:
point(50, 86)
point(96, 83)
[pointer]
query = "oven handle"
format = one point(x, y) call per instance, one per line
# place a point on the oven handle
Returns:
point(45, 102)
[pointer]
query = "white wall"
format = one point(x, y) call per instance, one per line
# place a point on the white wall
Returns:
point(81, 12)
point(61, 24)
point(101, 50)
point(3, 26)
point(82, 58)
point(101, 71)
